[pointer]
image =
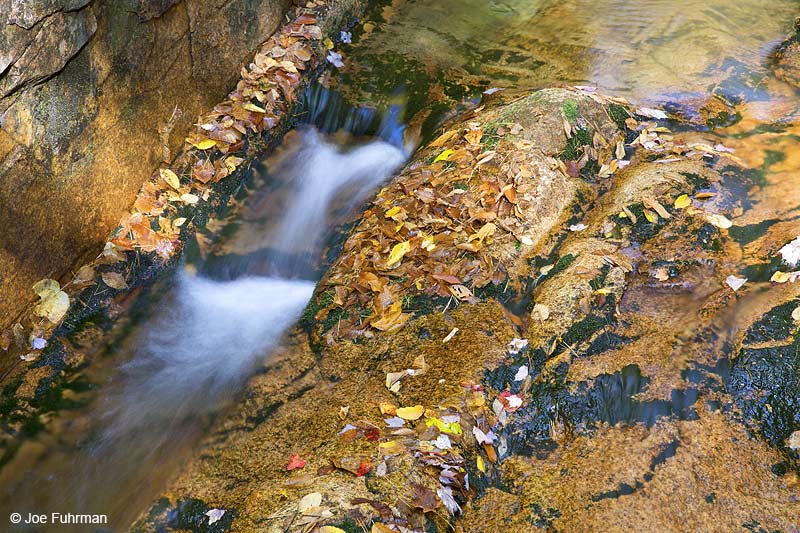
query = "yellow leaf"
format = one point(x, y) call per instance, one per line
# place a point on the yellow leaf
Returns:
point(410, 413)
point(397, 253)
point(232, 162)
point(380, 528)
point(444, 156)
point(781, 277)
point(392, 212)
point(179, 222)
point(387, 408)
point(54, 302)
point(481, 465)
point(170, 177)
point(393, 447)
point(683, 201)
point(205, 144)
point(454, 428)
point(651, 216)
point(331, 529)
point(190, 198)
point(253, 107)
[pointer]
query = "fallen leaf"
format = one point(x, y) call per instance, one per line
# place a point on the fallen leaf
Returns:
point(450, 335)
point(204, 144)
point(331, 529)
point(683, 201)
point(295, 462)
point(392, 447)
point(170, 177)
point(114, 280)
point(444, 156)
point(735, 283)
point(791, 252)
point(189, 198)
point(424, 498)
point(308, 501)
point(540, 312)
point(53, 303)
point(719, 221)
point(410, 413)
point(397, 253)
point(215, 515)
point(522, 373)
point(796, 314)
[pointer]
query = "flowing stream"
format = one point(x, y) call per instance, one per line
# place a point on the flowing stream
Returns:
point(213, 323)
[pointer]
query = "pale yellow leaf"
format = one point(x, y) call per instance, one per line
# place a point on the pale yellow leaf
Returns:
point(170, 177)
point(410, 413)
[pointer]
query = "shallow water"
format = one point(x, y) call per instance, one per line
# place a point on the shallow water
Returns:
point(250, 275)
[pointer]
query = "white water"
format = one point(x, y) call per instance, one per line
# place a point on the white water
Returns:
point(196, 351)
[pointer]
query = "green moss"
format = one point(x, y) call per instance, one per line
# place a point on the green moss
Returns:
point(619, 114)
point(317, 303)
point(570, 109)
point(574, 148)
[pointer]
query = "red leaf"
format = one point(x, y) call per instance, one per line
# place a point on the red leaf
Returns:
point(295, 462)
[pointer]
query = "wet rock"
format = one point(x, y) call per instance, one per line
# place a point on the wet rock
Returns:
point(92, 97)
point(786, 60)
point(619, 418)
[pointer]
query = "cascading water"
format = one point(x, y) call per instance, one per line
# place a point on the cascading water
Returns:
point(210, 333)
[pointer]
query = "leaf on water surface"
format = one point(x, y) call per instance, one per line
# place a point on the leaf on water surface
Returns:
point(115, 280)
point(215, 515)
point(796, 314)
point(331, 529)
point(734, 282)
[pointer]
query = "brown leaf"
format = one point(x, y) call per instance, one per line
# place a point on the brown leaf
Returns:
point(115, 280)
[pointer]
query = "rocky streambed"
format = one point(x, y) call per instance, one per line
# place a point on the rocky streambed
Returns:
point(567, 311)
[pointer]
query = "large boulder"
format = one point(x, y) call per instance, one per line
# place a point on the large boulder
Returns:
point(93, 96)
point(528, 328)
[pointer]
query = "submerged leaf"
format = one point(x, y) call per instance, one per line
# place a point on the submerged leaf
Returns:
point(410, 413)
